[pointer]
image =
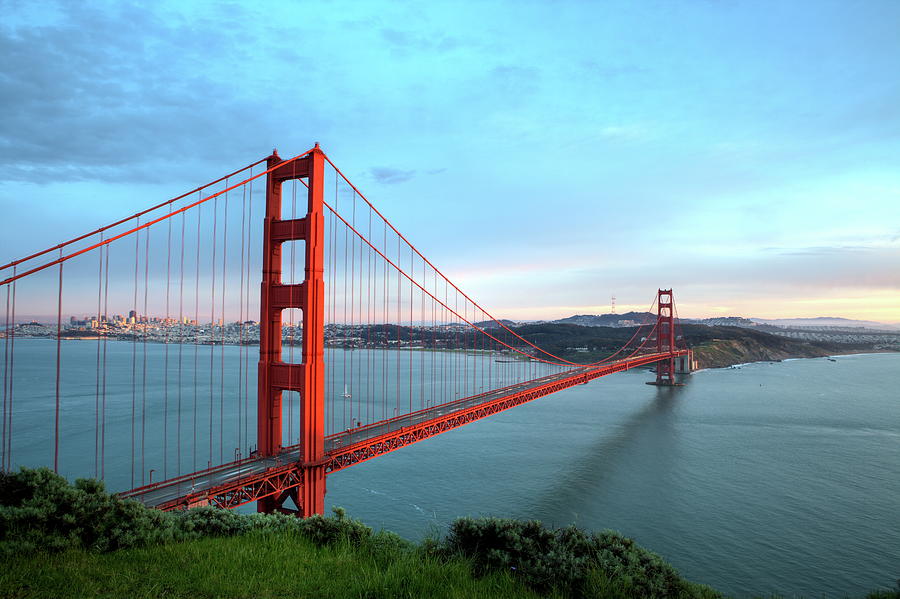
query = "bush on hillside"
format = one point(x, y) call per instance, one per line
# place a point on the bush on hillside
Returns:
point(886, 594)
point(211, 521)
point(324, 531)
point(568, 559)
point(40, 510)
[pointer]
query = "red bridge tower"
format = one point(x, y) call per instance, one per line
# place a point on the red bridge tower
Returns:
point(275, 376)
point(665, 337)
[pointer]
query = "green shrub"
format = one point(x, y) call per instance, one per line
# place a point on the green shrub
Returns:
point(211, 522)
point(387, 542)
point(886, 594)
point(325, 531)
point(40, 510)
point(569, 560)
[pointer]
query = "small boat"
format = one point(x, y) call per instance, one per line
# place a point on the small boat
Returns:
point(346, 392)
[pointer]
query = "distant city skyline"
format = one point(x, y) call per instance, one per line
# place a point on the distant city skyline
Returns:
point(89, 320)
point(545, 156)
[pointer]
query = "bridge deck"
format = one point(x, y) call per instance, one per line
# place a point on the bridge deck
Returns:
point(250, 479)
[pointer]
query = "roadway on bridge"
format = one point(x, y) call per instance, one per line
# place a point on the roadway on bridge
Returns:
point(166, 491)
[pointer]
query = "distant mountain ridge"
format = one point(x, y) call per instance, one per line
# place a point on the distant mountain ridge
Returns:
point(630, 319)
point(609, 320)
point(825, 321)
point(492, 324)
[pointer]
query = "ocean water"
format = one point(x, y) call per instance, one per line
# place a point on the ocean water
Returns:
point(768, 478)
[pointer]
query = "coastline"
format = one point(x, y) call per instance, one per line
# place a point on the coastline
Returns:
point(866, 352)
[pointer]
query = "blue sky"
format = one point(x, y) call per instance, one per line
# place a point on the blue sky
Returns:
point(546, 155)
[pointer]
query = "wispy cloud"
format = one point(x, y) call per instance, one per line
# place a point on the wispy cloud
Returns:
point(113, 93)
point(406, 40)
point(390, 176)
point(822, 250)
point(611, 71)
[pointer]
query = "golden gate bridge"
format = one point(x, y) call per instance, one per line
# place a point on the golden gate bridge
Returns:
point(365, 346)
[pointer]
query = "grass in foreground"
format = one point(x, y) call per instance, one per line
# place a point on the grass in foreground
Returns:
point(257, 564)
point(267, 564)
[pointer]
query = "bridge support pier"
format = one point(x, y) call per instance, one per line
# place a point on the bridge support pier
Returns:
point(312, 495)
point(308, 377)
point(685, 364)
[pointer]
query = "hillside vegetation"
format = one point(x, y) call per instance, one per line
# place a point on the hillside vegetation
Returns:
point(61, 540)
point(714, 346)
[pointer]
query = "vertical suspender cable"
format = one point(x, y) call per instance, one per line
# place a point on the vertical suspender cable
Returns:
point(212, 324)
point(385, 330)
point(196, 333)
point(363, 322)
point(344, 324)
point(6, 324)
point(370, 318)
point(359, 393)
point(352, 304)
point(103, 389)
point(222, 348)
point(332, 292)
point(456, 346)
point(58, 359)
point(409, 348)
point(483, 353)
point(247, 312)
point(399, 320)
point(412, 269)
point(12, 374)
point(134, 351)
point(145, 319)
point(466, 351)
point(241, 319)
point(167, 326)
point(180, 342)
point(433, 330)
point(421, 342)
point(101, 322)
point(359, 316)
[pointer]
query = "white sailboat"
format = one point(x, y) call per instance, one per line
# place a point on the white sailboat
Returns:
point(346, 391)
